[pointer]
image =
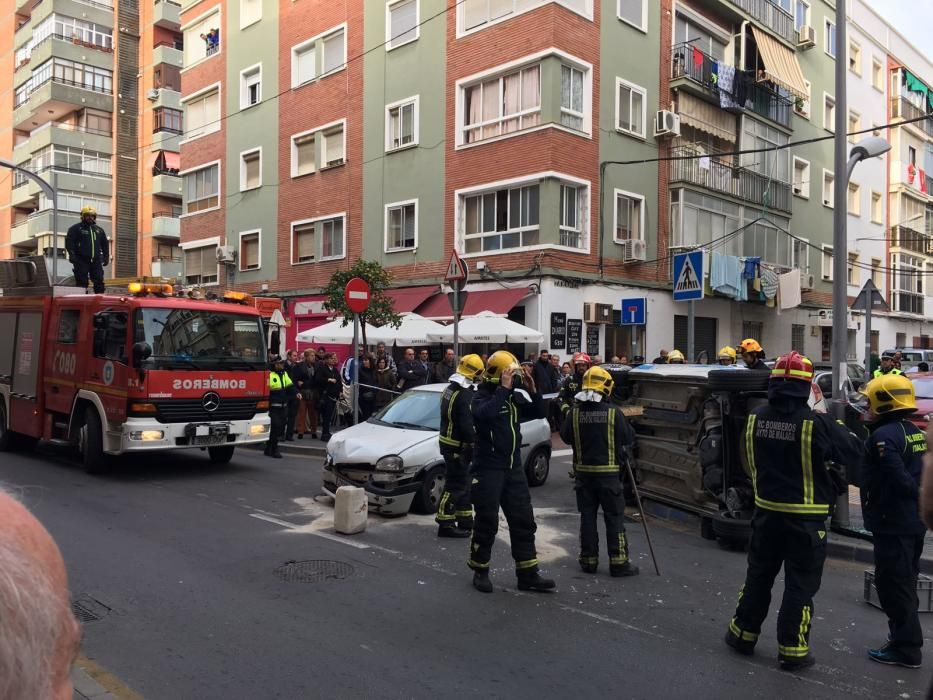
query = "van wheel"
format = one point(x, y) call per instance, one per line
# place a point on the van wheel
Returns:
point(732, 533)
point(538, 467)
point(737, 380)
point(428, 496)
point(221, 454)
point(93, 458)
point(6, 437)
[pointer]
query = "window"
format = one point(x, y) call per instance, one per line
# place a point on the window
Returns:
point(828, 188)
point(829, 37)
point(251, 170)
point(801, 14)
point(571, 97)
point(98, 122)
point(631, 103)
point(773, 164)
point(912, 155)
point(502, 104)
point(333, 146)
point(852, 276)
point(202, 189)
point(473, 15)
point(250, 86)
point(332, 238)
point(202, 38)
point(249, 250)
point(855, 125)
point(802, 106)
point(629, 217)
point(877, 74)
point(167, 119)
point(876, 272)
point(167, 77)
point(319, 56)
point(796, 337)
point(401, 226)
point(303, 64)
point(801, 256)
point(110, 336)
point(877, 215)
point(402, 124)
point(854, 199)
point(303, 157)
point(202, 113)
point(829, 112)
point(250, 12)
point(572, 206)
point(335, 51)
point(855, 58)
point(501, 219)
point(401, 23)
point(302, 243)
point(201, 265)
point(634, 12)
point(698, 220)
point(75, 201)
point(318, 239)
point(827, 265)
point(68, 325)
point(801, 177)
point(900, 340)
point(70, 159)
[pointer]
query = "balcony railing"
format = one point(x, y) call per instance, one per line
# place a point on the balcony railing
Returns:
point(20, 100)
point(909, 239)
point(701, 68)
point(902, 108)
point(724, 178)
point(771, 15)
point(174, 213)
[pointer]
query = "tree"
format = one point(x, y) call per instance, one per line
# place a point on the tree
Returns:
point(381, 309)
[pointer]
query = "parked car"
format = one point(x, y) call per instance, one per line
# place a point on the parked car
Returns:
point(823, 376)
point(910, 357)
point(923, 388)
point(396, 458)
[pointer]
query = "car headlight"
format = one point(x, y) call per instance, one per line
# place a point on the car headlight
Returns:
point(391, 463)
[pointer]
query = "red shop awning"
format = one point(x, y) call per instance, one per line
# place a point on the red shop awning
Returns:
point(499, 301)
point(408, 299)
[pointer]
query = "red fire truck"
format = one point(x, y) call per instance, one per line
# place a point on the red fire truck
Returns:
point(124, 373)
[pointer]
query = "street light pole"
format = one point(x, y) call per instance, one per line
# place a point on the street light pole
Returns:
point(842, 170)
point(51, 192)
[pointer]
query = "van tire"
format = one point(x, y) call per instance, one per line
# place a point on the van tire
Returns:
point(221, 454)
point(737, 380)
point(93, 458)
point(732, 534)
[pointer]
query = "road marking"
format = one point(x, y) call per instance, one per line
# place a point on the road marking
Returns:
point(107, 680)
point(295, 526)
point(562, 453)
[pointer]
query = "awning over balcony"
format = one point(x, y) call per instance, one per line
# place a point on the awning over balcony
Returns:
point(498, 301)
point(706, 117)
point(781, 65)
point(166, 160)
point(407, 299)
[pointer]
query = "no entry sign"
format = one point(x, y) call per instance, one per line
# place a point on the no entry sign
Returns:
point(357, 295)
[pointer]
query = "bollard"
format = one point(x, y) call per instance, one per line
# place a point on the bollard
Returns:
point(350, 510)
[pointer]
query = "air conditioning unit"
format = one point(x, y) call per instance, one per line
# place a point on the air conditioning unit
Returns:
point(226, 254)
point(634, 250)
point(807, 282)
point(806, 37)
point(666, 123)
point(597, 313)
point(152, 95)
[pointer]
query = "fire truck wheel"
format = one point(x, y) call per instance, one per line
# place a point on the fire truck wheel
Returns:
point(220, 455)
point(92, 443)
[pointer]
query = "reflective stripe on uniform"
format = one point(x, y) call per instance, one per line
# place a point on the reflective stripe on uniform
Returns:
point(449, 441)
point(793, 651)
point(596, 468)
point(477, 565)
point(611, 435)
point(804, 628)
point(806, 459)
point(740, 633)
point(795, 508)
point(578, 449)
point(527, 564)
point(750, 451)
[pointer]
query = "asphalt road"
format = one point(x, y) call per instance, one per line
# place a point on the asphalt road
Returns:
point(177, 558)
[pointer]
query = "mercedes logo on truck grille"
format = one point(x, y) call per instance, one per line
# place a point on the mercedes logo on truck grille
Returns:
point(210, 402)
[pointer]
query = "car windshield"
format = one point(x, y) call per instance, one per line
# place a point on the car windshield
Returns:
point(923, 387)
point(419, 410)
point(200, 339)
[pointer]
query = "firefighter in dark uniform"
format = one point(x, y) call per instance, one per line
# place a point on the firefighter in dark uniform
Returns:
point(600, 437)
point(498, 477)
point(454, 513)
point(280, 391)
point(786, 447)
point(890, 490)
point(574, 383)
point(752, 354)
point(88, 250)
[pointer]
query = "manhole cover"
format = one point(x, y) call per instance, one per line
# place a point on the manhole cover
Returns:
point(313, 571)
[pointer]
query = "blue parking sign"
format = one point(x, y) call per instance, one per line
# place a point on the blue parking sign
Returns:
point(633, 312)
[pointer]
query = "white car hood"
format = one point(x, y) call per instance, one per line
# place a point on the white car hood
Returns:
point(367, 442)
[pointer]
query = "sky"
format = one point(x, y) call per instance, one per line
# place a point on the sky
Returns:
point(912, 18)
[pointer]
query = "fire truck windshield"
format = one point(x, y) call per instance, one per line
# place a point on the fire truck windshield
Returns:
point(200, 339)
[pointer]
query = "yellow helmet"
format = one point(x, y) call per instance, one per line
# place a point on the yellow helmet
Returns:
point(88, 210)
point(471, 366)
point(598, 379)
point(497, 362)
point(675, 357)
point(750, 345)
point(889, 393)
point(726, 353)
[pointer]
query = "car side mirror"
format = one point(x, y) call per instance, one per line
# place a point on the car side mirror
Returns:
point(141, 353)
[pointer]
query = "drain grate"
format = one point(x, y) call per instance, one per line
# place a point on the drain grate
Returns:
point(84, 613)
point(313, 571)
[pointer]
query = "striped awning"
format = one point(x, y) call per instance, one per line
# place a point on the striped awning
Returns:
point(781, 65)
point(706, 117)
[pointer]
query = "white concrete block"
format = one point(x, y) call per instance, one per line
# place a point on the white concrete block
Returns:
point(350, 510)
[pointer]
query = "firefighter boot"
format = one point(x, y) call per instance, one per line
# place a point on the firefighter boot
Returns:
point(743, 646)
point(796, 664)
point(531, 580)
point(481, 581)
point(452, 531)
point(626, 569)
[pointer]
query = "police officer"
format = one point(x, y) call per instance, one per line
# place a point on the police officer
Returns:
point(752, 354)
point(454, 513)
point(88, 250)
point(675, 357)
point(498, 477)
point(280, 391)
point(888, 366)
point(890, 488)
point(726, 356)
point(574, 383)
point(600, 436)
point(786, 447)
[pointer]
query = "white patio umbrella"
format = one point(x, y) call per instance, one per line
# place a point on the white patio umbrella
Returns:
point(333, 332)
point(487, 327)
point(415, 330)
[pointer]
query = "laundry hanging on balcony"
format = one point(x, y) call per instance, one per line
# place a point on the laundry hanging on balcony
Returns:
point(912, 83)
point(725, 276)
point(789, 296)
point(781, 65)
point(725, 82)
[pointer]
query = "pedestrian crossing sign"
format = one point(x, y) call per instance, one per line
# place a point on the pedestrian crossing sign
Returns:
point(688, 276)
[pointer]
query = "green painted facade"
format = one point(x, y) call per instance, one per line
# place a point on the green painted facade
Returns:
point(251, 128)
point(415, 172)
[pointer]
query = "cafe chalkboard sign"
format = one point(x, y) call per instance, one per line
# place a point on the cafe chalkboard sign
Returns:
point(558, 331)
point(592, 340)
point(574, 335)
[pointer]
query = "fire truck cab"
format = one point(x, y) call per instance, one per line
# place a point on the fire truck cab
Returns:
point(134, 372)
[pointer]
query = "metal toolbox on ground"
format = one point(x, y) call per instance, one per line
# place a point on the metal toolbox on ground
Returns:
point(924, 591)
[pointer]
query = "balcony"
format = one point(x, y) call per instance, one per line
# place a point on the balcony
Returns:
point(766, 13)
point(166, 185)
point(63, 134)
point(22, 195)
point(167, 53)
point(722, 178)
point(166, 98)
point(19, 235)
point(907, 302)
point(167, 268)
point(908, 239)
point(693, 69)
point(167, 14)
point(902, 108)
point(55, 97)
point(166, 140)
point(166, 224)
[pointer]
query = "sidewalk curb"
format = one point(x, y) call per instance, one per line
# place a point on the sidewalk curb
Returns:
point(92, 682)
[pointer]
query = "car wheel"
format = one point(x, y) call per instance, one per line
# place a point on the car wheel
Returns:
point(737, 380)
point(220, 454)
point(707, 531)
point(731, 532)
point(91, 439)
point(428, 496)
point(538, 467)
